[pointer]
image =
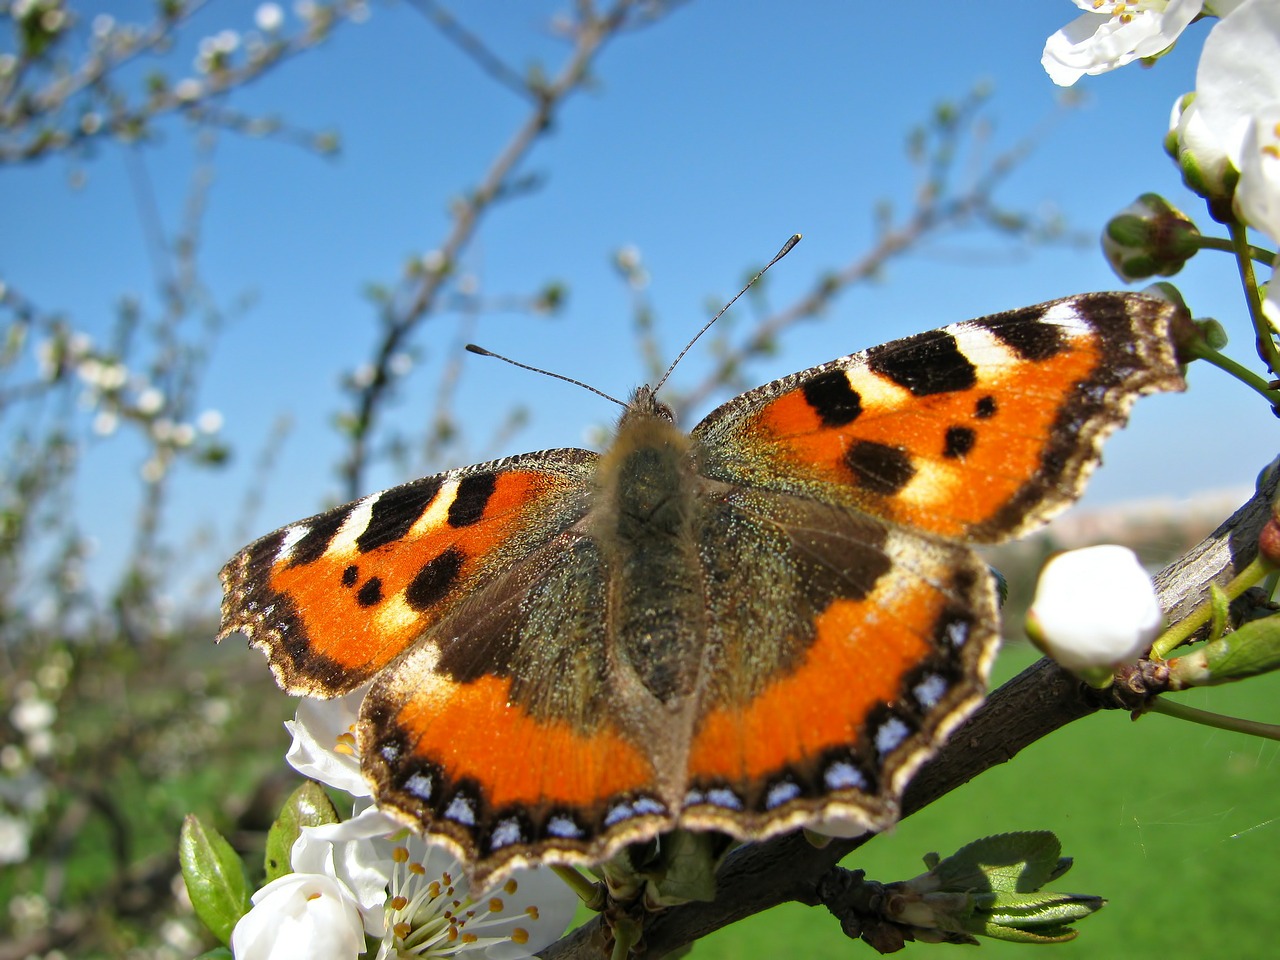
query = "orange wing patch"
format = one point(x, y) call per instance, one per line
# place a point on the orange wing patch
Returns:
point(492, 778)
point(472, 733)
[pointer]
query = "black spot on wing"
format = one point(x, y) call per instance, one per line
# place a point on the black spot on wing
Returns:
point(319, 535)
point(985, 408)
point(350, 575)
point(471, 498)
point(925, 364)
point(832, 398)
point(370, 594)
point(1028, 337)
point(959, 441)
point(395, 512)
point(880, 468)
point(435, 579)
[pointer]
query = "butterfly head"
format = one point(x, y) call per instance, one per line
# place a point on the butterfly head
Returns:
point(644, 405)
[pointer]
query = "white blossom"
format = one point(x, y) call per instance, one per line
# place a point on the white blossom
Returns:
point(1237, 79)
point(303, 916)
point(324, 743)
point(1111, 34)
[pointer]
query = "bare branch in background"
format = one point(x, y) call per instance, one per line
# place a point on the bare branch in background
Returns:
point(418, 297)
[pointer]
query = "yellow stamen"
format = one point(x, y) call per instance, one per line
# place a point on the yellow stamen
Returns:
point(399, 903)
point(532, 911)
point(520, 935)
point(496, 905)
point(400, 854)
point(510, 887)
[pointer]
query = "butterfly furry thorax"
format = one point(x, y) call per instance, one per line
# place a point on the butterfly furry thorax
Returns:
point(768, 622)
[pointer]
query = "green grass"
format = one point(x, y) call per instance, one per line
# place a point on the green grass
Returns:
point(1177, 825)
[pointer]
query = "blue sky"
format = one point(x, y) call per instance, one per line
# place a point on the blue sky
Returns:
point(707, 140)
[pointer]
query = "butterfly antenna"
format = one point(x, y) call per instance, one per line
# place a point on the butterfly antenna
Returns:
point(786, 248)
point(471, 347)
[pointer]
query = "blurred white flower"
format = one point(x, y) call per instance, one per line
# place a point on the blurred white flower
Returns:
point(269, 17)
point(15, 839)
point(150, 401)
point(400, 363)
point(210, 421)
point(188, 89)
point(1095, 609)
point(105, 422)
point(153, 470)
point(183, 435)
point(162, 429)
point(33, 714)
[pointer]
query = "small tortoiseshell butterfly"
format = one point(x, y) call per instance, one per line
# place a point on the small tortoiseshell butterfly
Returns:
point(766, 623)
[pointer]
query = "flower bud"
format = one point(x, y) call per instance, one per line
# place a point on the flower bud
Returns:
point(1149, 237)
point(1200, 155)
point(1095, 609)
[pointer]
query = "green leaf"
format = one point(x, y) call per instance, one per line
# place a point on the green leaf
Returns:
point(215, 877)
point(1013, 935)
point(1038, 909)
point(1251, 650)
point(308, 806)
point(1008, 862)
point(217, 953)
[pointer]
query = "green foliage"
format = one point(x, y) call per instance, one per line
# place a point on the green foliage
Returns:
point(308, 806)
point(215, 877)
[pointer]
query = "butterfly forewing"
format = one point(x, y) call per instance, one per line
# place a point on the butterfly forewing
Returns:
point(978, 431)
point(334, 599)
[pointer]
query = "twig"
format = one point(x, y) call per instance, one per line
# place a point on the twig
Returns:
point(399, 324)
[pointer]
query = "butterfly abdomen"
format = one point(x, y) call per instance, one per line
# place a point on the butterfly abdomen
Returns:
point(646, 507)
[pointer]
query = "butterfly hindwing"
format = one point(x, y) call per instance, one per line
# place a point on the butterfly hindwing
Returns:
point(840, 651)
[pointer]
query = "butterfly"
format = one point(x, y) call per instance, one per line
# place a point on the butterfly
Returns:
point(766, 623)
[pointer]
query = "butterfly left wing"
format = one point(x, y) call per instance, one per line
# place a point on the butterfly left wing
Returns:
point(334, 599)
